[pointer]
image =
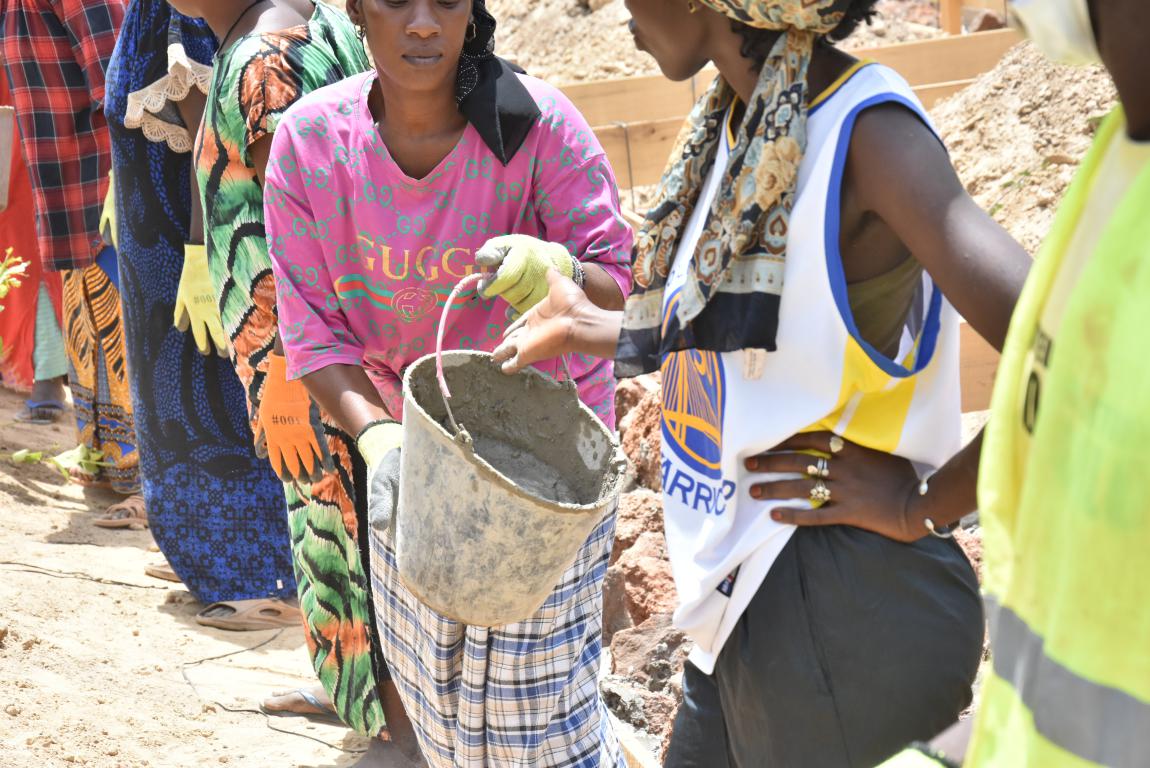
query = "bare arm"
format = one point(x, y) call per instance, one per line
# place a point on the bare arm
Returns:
point(979, 267)
point(346, 392)
point(903, 175)
point(192, 112)
point(601, 288)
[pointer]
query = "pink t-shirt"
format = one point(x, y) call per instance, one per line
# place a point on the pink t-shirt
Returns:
point(365, 256)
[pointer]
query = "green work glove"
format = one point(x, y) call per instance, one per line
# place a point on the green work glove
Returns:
point(521, 264)
point(379, 444)
point(196, 306)
point(108, 214)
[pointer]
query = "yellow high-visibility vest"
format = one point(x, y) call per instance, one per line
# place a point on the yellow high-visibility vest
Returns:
point(1064, 491)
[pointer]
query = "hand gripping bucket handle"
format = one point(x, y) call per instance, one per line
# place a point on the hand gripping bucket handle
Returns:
point(459, 288)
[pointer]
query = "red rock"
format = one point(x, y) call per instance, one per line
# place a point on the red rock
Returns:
point(651, 654)
point(650, 586)
point(629, 392)
point(616, 614)
point(639, 512)
point(642, 441)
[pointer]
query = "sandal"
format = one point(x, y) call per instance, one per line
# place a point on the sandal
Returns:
point(40, 412)
point(129, 513)
point(162, 570)
point(250, 615)
point(321, 711)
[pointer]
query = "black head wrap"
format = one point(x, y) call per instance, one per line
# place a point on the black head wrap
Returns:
point(489, 92)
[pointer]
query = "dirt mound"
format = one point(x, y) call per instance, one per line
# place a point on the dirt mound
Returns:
point(564, 41)
point(1017, 135)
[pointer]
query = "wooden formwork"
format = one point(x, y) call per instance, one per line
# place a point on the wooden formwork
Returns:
point(637, 119)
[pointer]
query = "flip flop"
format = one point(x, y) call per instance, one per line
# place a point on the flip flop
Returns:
point(251, 615)
point(162, 570)
point(129, 513)
point(325, 714)
point(40, 412)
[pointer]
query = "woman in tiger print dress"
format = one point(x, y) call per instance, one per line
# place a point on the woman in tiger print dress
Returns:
point(272, 53)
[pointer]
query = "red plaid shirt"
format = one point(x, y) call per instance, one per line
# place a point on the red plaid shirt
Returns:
point(56, 53)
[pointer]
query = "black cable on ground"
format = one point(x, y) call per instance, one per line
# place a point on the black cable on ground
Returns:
point(19, 567)
point(267, 718)
point(42, 571)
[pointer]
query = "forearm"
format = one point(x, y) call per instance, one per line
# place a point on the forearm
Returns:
point(346, 392)
point(952, 491)
point(595, 330)
point(191, 110)
point(601, 288)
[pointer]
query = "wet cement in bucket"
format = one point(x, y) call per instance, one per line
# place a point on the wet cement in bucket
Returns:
point(525, 469)
point(527, 428)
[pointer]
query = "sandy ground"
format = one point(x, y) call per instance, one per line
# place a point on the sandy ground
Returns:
point(119, 675)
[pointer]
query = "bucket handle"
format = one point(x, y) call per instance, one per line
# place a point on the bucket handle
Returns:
point(459, 288)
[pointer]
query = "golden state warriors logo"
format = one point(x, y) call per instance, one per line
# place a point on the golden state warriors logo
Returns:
point(694, 388)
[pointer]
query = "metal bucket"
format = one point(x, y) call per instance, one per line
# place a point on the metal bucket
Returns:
point(500, 485)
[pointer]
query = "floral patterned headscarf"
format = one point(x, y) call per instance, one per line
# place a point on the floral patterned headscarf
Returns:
point(732, 294)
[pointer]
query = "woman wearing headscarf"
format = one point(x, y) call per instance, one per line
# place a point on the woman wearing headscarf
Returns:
point(789, 284)
point(381, 191)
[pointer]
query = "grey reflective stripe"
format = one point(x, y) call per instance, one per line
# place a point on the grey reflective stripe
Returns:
point(1095, 722)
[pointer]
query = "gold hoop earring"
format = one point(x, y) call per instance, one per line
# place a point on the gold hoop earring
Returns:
point(692, 7)
point(472, 31)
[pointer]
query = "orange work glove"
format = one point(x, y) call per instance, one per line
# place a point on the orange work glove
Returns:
point(289, 431)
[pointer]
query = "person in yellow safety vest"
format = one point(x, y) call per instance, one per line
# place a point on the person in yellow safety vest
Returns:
point(1064, 487)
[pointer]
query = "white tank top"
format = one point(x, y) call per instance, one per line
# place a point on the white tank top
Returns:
point(722, 408)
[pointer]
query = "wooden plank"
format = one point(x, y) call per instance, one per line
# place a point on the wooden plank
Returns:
point(651, 142)
point(7, 140)
point(930, 95)
point(926, 62)
point(999, 6)
point(978, 365)
point(635, 99)
point(639, 151)
point(946, 59)
point(950, 16)
point(637, 751)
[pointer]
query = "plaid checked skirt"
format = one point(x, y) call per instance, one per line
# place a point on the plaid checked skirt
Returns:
point(523, 695)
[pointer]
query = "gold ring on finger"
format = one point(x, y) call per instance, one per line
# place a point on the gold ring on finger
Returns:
point(820, 493)
point(822, 468)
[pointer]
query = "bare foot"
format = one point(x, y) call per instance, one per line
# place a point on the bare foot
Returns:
point(305, 702)
point(387, 754)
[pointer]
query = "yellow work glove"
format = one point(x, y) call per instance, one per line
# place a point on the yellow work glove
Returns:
point(108, 214)
point(521, 263)
point(288, 429)
point(379, 444)
point(196, 306)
